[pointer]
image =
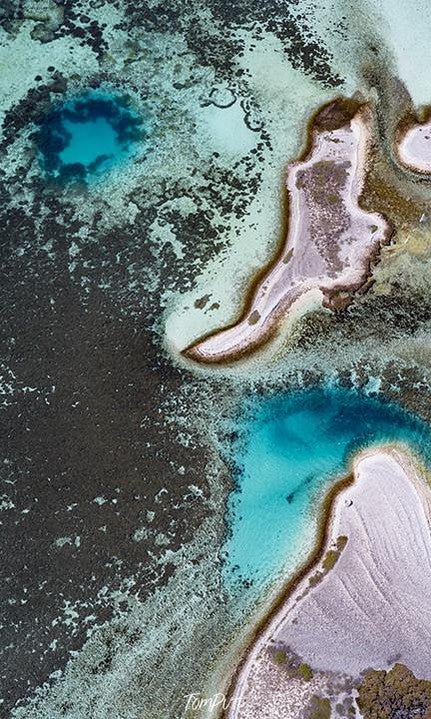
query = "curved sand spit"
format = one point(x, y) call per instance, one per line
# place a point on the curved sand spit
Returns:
point(330, 239)
point(414, 147)
point(371, 609)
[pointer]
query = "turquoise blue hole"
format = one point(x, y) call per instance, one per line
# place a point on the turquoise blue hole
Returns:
point(82, 139)
point(288, 449)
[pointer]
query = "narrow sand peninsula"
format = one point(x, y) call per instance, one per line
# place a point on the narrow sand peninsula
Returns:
point(369, 609)
point(414, 147)
point(330, 239)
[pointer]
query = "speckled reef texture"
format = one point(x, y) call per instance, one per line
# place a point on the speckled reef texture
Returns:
point(112, 490)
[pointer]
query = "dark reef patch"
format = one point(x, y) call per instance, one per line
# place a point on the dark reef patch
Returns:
point(303, 52)
point(214, 42)
point(88, 453)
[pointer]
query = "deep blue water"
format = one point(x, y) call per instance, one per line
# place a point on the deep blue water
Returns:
point(289, 448)
point(86, 136)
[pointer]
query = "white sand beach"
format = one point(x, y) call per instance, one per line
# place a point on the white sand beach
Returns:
point(370, 609)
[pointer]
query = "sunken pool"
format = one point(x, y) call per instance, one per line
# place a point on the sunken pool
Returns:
point(85, 137)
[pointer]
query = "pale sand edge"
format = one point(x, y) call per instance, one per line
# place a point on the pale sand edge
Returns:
point(406, 157)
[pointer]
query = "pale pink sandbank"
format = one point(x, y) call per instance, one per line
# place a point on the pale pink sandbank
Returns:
point(414, 148)
point(369, 610)
point(329, 243)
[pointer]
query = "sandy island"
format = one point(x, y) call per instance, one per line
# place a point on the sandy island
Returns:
point(330, 240)
point(368, 608)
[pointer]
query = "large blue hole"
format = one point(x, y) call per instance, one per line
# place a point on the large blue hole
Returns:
point(85, 137)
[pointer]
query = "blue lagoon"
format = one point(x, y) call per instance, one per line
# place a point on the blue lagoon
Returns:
point(290, 449)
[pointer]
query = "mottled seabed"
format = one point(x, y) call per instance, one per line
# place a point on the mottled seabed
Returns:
point(113, 487)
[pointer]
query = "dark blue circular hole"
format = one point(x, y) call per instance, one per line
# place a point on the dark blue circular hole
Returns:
point(89, 134)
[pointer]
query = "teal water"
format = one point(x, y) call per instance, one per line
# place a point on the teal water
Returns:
point(288, 449)
point(83, 138)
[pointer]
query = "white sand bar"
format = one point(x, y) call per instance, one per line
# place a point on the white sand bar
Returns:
point(373, 607)
point(329, 242)
point(414, 148)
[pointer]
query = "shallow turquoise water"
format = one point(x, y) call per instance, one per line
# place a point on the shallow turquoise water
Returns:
point(87, 135)
point(89, 141)
point(289, 448)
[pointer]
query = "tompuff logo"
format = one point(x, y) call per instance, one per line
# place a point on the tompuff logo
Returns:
point(216, 701)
